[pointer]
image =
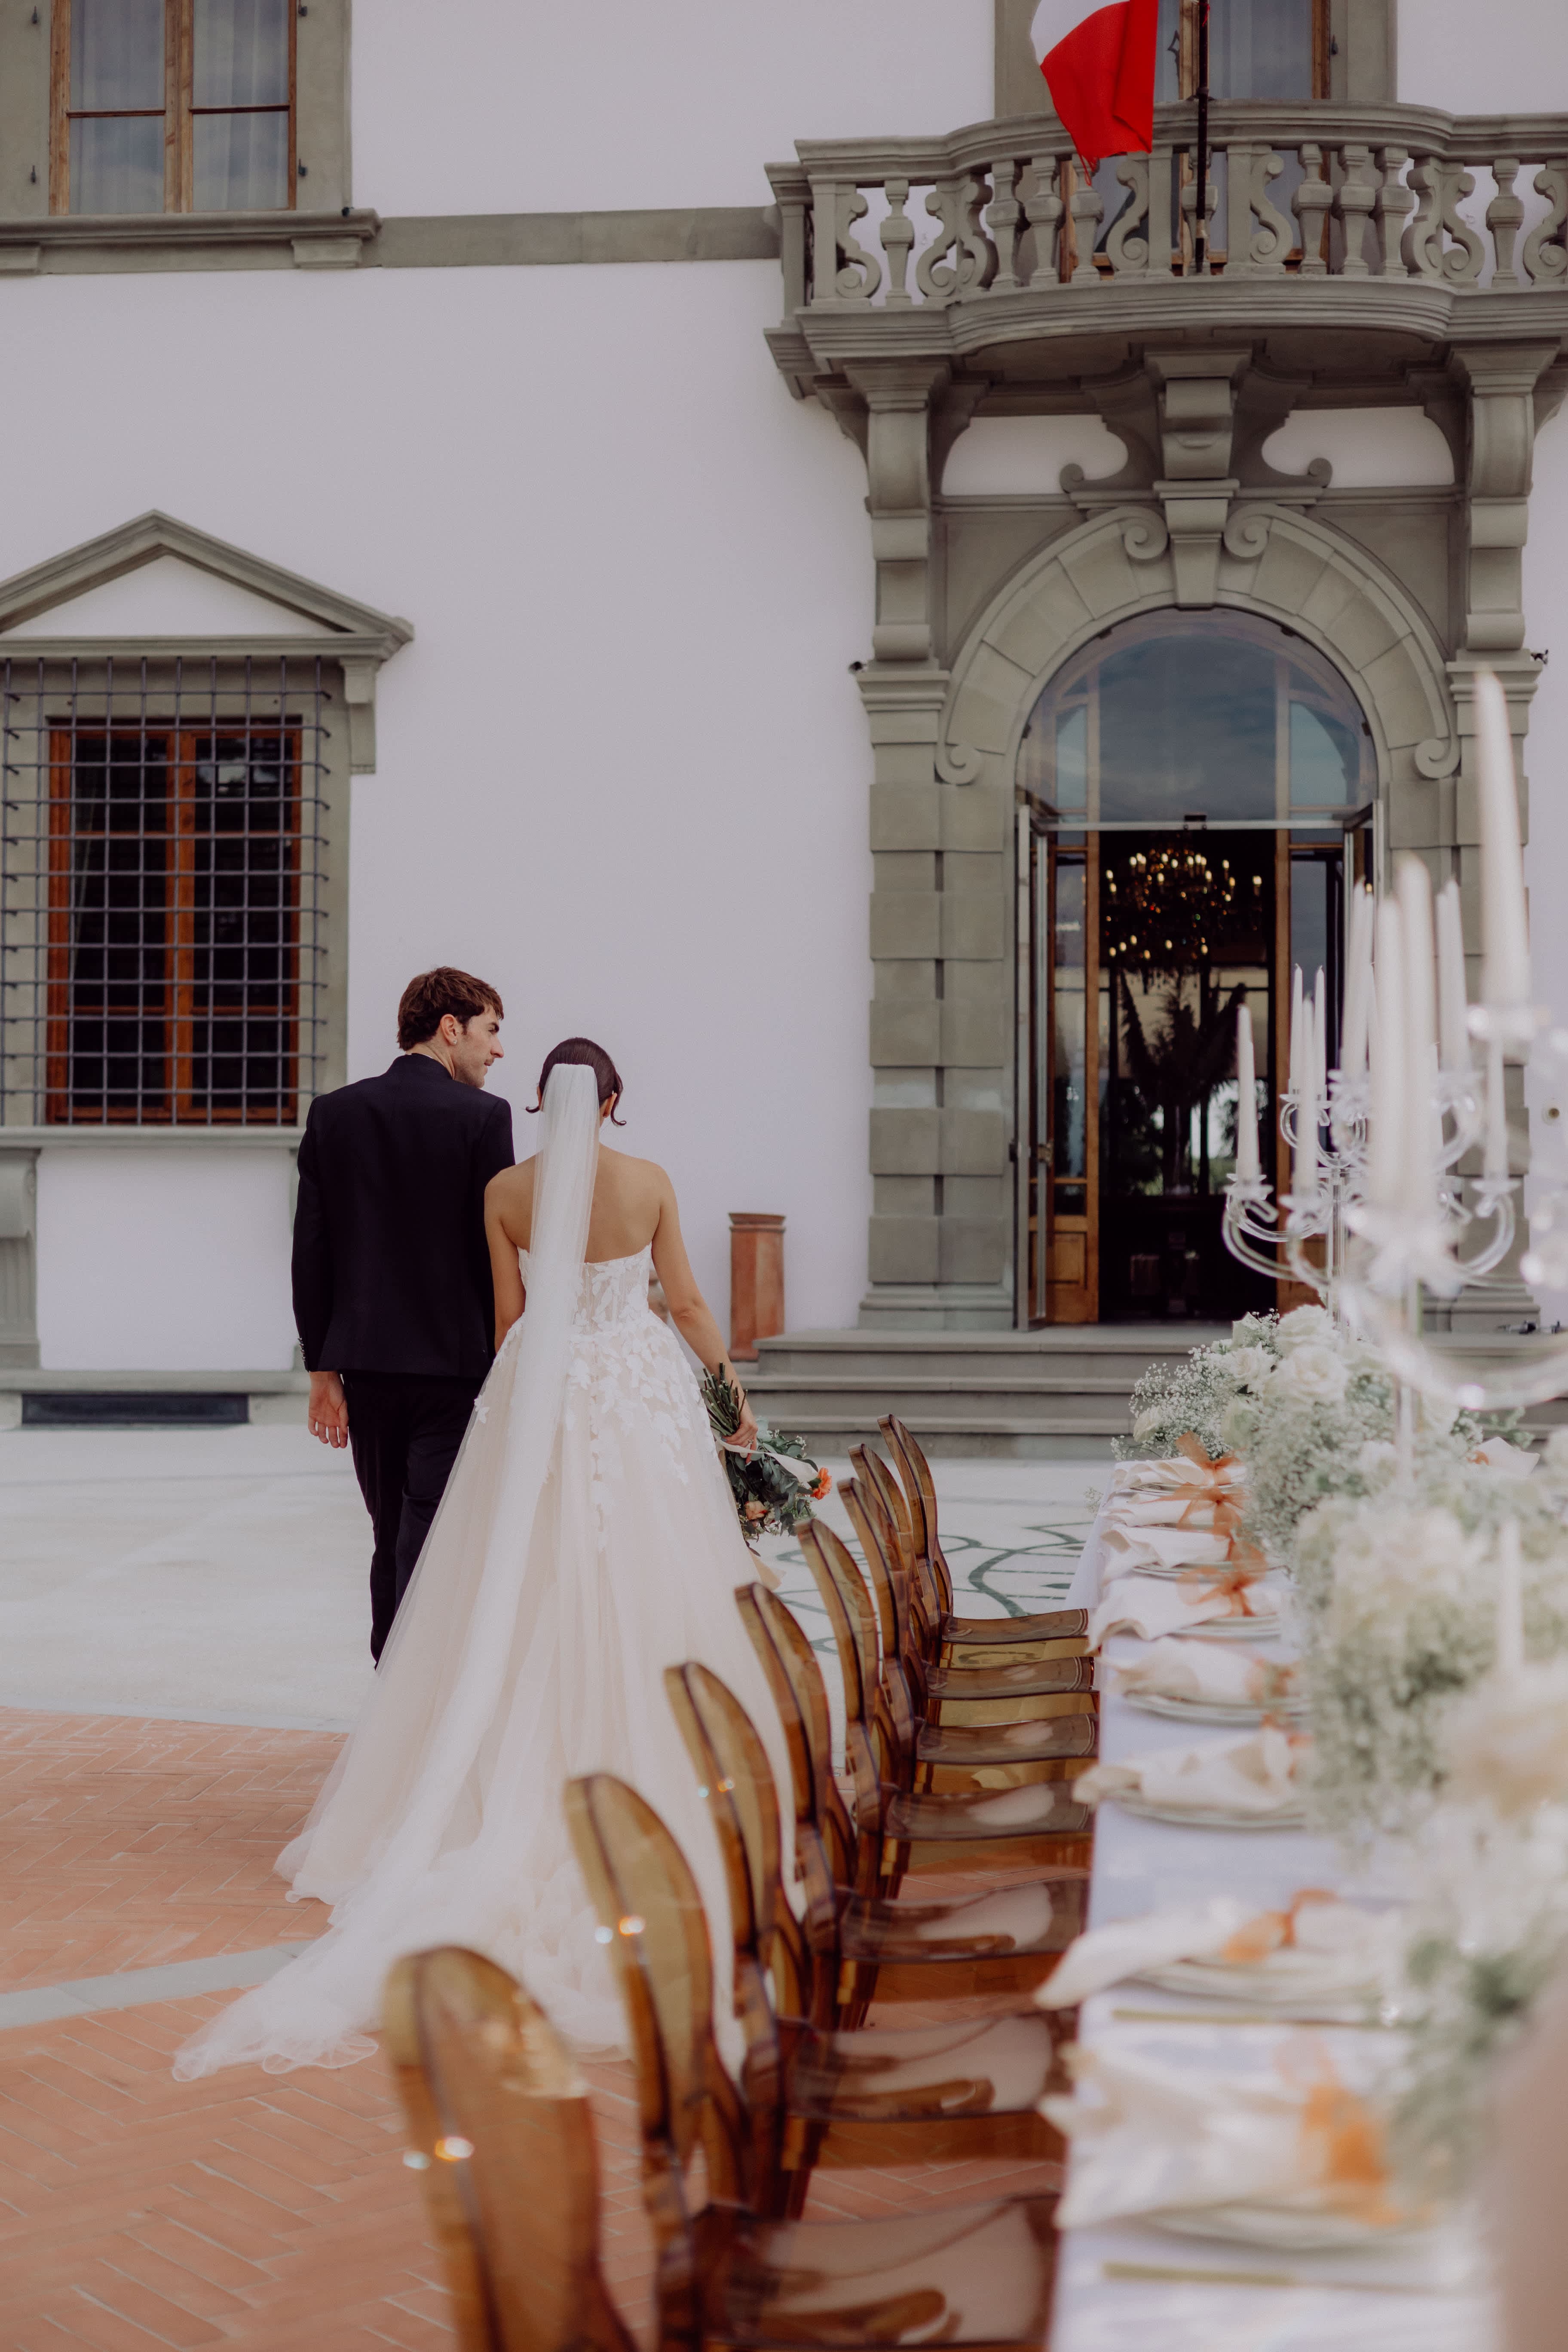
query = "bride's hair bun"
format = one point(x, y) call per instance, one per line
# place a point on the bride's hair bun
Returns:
point(592, 1057)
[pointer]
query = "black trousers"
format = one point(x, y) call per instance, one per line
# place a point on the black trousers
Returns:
point(404, 1431)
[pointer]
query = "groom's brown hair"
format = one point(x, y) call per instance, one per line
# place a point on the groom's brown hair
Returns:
point(431, 995)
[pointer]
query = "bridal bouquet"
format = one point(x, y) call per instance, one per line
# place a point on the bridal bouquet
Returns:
point(772, 1496)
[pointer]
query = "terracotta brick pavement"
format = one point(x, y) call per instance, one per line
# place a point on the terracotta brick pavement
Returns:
point(267, 2211)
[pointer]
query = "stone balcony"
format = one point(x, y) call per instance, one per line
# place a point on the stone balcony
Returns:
point(1400, 223)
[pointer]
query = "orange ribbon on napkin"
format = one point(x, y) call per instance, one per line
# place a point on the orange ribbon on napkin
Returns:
point(1271, 1931)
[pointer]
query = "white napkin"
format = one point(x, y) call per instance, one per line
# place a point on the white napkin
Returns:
point(1318, 1944)
point(1153, 2138)
point(1223, 1674)
point(1509, 1461)
point(1105, 1955)
point(1176, 1470)
point(1172, 1508)
point(1245, 1780)
point(1162, 1551)
point(1152, 1605)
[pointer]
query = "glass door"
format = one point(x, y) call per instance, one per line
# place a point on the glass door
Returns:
point(1059, 929)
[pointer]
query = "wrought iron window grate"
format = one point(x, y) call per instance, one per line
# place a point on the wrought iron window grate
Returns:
point(162, 891)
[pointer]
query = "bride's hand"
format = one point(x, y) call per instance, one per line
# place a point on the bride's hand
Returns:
point(746, 1427)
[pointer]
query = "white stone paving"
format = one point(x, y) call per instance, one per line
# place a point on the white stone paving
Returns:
point(220, 1575)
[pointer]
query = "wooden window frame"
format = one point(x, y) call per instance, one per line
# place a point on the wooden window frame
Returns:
point(178, 113)
point(182, 909)
point(1187, 63)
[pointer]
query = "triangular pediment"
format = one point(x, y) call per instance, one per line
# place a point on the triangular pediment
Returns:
point(156, 577)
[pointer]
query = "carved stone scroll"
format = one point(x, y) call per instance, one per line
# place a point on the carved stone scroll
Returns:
point(1127, 253)
point(956, 206)
point(1545, 253)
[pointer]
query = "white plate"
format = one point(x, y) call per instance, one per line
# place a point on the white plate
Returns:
point(1296, 2229)
point(1228, 1629)
point(1207, 1710)
point(1203, 1817)
point(1251, 1986)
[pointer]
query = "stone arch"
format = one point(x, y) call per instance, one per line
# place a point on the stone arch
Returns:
point(1274, 561)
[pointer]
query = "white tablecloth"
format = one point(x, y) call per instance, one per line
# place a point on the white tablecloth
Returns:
point(1140, 1865)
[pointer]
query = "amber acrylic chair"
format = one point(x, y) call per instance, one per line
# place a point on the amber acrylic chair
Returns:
point(968, 2275)
point(910, 1753)
point(928, 2093)
point(1008, 1941)
point(967, 1641)
point(1028, 1692)
point(501, 2134)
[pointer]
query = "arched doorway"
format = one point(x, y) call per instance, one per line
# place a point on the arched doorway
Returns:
point(1194, 791)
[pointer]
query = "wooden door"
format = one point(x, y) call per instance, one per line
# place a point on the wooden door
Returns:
point(1059, 1260)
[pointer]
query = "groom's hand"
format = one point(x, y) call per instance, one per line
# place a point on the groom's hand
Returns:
point(327, 1414)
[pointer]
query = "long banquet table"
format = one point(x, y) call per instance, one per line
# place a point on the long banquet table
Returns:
point(1426, 2301)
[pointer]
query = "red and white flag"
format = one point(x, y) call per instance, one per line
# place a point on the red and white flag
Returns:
point(1098, 64)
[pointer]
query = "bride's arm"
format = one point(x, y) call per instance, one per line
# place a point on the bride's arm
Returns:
point(688, 1311)
point(506, 1275)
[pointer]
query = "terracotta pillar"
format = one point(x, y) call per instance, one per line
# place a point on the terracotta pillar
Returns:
point(756, 1281)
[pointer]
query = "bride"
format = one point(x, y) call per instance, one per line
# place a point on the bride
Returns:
point(586, 1540)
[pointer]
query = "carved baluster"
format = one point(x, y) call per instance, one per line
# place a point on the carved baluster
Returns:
point(1189, 225)
point(1460, 266)
point(1421, 246)
point(1353, 208)
point(1505, 218)
point(956, 206)
point(824, 240)
point(1162, 166)
point(1088, 212)
point(1310, 203)
point(862, 272)
point(1393, 201)
point(1250, 170)
point(1043, 211)
point(1005, 220)
point(896, 235)
point(1545, 253)
point(793, 254)
point(1129, 254)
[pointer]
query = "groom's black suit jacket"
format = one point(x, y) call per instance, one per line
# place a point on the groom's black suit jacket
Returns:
point(391, 1270)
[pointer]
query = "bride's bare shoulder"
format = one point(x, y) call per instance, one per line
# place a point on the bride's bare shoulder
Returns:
point(509, 1199)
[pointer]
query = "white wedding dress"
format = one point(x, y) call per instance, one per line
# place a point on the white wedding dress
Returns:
point(586, 1540)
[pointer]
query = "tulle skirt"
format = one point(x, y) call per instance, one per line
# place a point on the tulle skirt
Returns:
point(511, 1669)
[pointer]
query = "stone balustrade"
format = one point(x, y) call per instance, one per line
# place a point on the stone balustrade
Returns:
point(1002, 213)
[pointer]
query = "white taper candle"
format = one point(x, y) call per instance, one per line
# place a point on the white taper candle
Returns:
point(1505, 973)
point(1385, 1174)
point(1358, 985)
point(1248, 1164)
point(1453, 1009)
point(1510, 1603)
point(1422, 1170)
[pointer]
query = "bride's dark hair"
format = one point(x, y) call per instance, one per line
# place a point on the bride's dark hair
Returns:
point(592, 1057)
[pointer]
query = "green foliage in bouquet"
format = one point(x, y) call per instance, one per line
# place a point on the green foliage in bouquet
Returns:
point(770, 1500)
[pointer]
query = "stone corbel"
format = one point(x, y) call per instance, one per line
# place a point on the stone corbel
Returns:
point(1196, 395)
point(1501, 381)
point(898, 395)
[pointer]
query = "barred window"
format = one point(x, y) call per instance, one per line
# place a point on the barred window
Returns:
point(164, 892)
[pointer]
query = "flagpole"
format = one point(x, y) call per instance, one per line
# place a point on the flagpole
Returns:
point(1200, 217)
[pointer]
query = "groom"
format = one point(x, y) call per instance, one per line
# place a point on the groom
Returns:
point(392, 1279)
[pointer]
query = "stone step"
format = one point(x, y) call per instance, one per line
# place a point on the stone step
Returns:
point(828, 1437)
point(789, 1402)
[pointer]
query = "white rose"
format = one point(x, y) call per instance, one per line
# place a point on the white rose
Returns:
point(1557, 1453)
point(1313, 1373)
point(1507, 1743)
point(1305, 1327)
point(1147, 1421)
point(1248, 1367)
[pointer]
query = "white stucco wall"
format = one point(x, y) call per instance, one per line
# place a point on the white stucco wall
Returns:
point(533, 105)
point(164, 1260)
point(623, 767)
point(1505, 59)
